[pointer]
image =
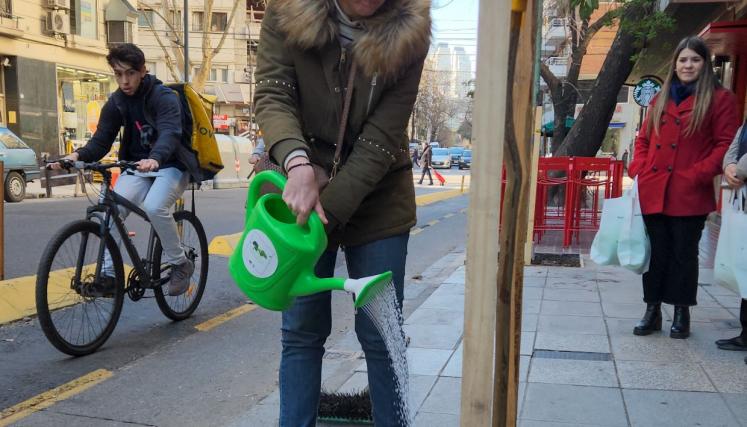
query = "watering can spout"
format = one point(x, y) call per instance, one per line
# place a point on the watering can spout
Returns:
point(366, 288)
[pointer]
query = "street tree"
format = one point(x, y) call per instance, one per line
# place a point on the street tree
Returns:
point(434, 106)
point(636, 21)
point(169, 13)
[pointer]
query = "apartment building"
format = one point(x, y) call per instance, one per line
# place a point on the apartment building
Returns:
point(54, 77)
point(231, 70)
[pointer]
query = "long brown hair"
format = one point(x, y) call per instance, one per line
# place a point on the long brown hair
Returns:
point(706, 84)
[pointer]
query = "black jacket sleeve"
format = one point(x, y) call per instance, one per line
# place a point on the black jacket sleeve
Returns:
point(168, 121)
point(100, 144)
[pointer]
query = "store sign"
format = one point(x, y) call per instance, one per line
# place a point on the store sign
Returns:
point(645, 91)
point(221, 122)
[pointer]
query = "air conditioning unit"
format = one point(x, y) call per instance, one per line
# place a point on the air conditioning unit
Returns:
point(58, 4)
point(58, 22)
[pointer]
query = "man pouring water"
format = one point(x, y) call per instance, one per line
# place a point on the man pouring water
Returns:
point(347, 67)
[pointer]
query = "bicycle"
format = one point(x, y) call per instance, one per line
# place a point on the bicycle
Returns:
point(71, 268)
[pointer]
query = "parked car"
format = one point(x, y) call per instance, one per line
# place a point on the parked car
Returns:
point(465, 160)
point(456, 153)
point(20, 165)
point(441, 158)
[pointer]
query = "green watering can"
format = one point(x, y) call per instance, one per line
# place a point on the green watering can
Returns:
point(275, 258)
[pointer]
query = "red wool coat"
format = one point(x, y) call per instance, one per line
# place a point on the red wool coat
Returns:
point(675, 171)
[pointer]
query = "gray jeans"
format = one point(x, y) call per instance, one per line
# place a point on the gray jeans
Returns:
point(155, 193)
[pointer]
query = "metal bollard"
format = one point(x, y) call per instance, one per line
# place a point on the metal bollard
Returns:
point(2, 223)
point(461, 188)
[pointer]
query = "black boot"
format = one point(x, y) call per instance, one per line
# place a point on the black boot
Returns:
point(651, 320)
point(681, 322)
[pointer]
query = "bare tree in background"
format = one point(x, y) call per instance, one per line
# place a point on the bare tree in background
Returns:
point(433, 107)
point(172, 44)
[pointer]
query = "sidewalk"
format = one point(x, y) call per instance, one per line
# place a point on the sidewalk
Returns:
point(580, 362)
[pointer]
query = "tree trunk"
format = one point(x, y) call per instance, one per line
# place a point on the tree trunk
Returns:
point(586, 136)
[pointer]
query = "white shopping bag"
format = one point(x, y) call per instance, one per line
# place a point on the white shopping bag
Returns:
point(730, 266)
point(604, 247)
point(633, 246)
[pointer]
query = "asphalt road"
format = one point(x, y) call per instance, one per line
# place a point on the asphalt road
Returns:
point(170, 373)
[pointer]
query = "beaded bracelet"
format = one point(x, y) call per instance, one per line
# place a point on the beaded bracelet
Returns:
point(297, 165)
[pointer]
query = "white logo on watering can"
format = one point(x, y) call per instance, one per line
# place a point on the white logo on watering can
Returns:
point(260, 257)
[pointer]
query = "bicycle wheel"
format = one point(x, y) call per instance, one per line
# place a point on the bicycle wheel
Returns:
point(194, 243)
point(73, 318)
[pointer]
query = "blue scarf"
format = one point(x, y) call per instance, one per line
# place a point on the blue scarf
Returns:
point(680, 91)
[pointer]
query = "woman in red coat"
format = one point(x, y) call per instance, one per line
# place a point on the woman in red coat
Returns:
point(678, 152)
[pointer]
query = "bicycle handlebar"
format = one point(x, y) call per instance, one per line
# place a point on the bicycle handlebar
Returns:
point(94, 166)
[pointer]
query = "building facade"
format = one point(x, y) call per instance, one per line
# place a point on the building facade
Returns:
point(53, 73)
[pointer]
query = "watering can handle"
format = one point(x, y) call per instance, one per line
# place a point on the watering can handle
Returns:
point(317, 228)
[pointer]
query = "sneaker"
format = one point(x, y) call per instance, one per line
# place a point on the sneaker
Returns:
point(180, 277)
point(104, 288)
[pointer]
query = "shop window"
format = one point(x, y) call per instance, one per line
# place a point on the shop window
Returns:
point(198, 21)
point(144, 17)
point(118, 32)
point(218, 21)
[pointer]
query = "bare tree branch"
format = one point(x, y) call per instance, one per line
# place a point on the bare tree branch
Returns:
point(167, 57)
point(552, 81)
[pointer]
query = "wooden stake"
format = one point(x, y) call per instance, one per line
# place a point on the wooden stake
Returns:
point(485, 190)
point(518, 145)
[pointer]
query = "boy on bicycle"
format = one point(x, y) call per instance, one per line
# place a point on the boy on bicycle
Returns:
point(151, 116)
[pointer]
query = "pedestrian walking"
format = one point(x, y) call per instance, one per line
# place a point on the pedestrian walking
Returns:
point(426, 163)
point(415, 157)
point(308, 50)
point(624, 159)
point(735, 174)
point(677, 154)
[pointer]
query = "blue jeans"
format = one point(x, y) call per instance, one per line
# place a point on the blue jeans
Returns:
point(308, 322)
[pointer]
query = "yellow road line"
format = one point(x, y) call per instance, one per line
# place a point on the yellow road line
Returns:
point(427, 199)
point(448, 215)
point(432, 223)
point(49, 398)
point(225, 317)
point(18, 296)
point(415, 231)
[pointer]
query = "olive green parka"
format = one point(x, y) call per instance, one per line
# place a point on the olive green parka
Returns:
point(302, 72)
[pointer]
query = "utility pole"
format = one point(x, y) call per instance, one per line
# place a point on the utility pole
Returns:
point(185, 18)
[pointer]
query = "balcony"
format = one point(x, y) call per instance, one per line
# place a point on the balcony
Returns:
point(558, 65)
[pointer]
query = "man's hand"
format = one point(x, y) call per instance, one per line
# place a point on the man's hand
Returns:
point(147, 165)
point(253, 159)
point(73, 157)
point(730, 173)
point(301, 193)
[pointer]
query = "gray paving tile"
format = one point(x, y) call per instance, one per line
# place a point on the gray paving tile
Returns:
point(529, 322)
point(575, 284)
point(433, 336)
point(450, 289)
point(435, 316)
point(571, 273)
point(458, 276)
point(426, 361)
point(445, 301)
point(51, 418)
point(532, 423)
point(651, 348)
point(728, 377)
point(524, 362)
point(727, 301)
point(661, 408)
point(428, 419)
point(705, 314)
point(571, 324)
point(420, 387)
point(622, 327)
point(574, 372)
point(454, 366)
point(571, 308)
point(571, 295)
point(738, 405)
point(622, 296)
point(535, 271)
point(663, 376)
point(413, 290)
point(623, 310)
point(259, 415)
point(357, 382)
point(532, 293)
point(720, 290)
point(574, 405)
point(572, 342)
point(618, 275)
point(702, 344)
point(527, 343)
point(531, 306)
point(445, 397)
point(534, 282)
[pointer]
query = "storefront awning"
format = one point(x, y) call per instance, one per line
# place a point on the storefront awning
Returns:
point(726, 38)
point(233, 94)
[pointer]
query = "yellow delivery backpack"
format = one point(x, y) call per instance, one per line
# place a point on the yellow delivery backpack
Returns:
point(197, 115)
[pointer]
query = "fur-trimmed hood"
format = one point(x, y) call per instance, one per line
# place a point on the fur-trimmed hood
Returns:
point(395, 37)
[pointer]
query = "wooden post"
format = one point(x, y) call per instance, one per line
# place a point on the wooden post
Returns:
point(485, 190)
point(2, 223)
point(518, 159)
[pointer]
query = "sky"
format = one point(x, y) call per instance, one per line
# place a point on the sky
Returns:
point(455, 23)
